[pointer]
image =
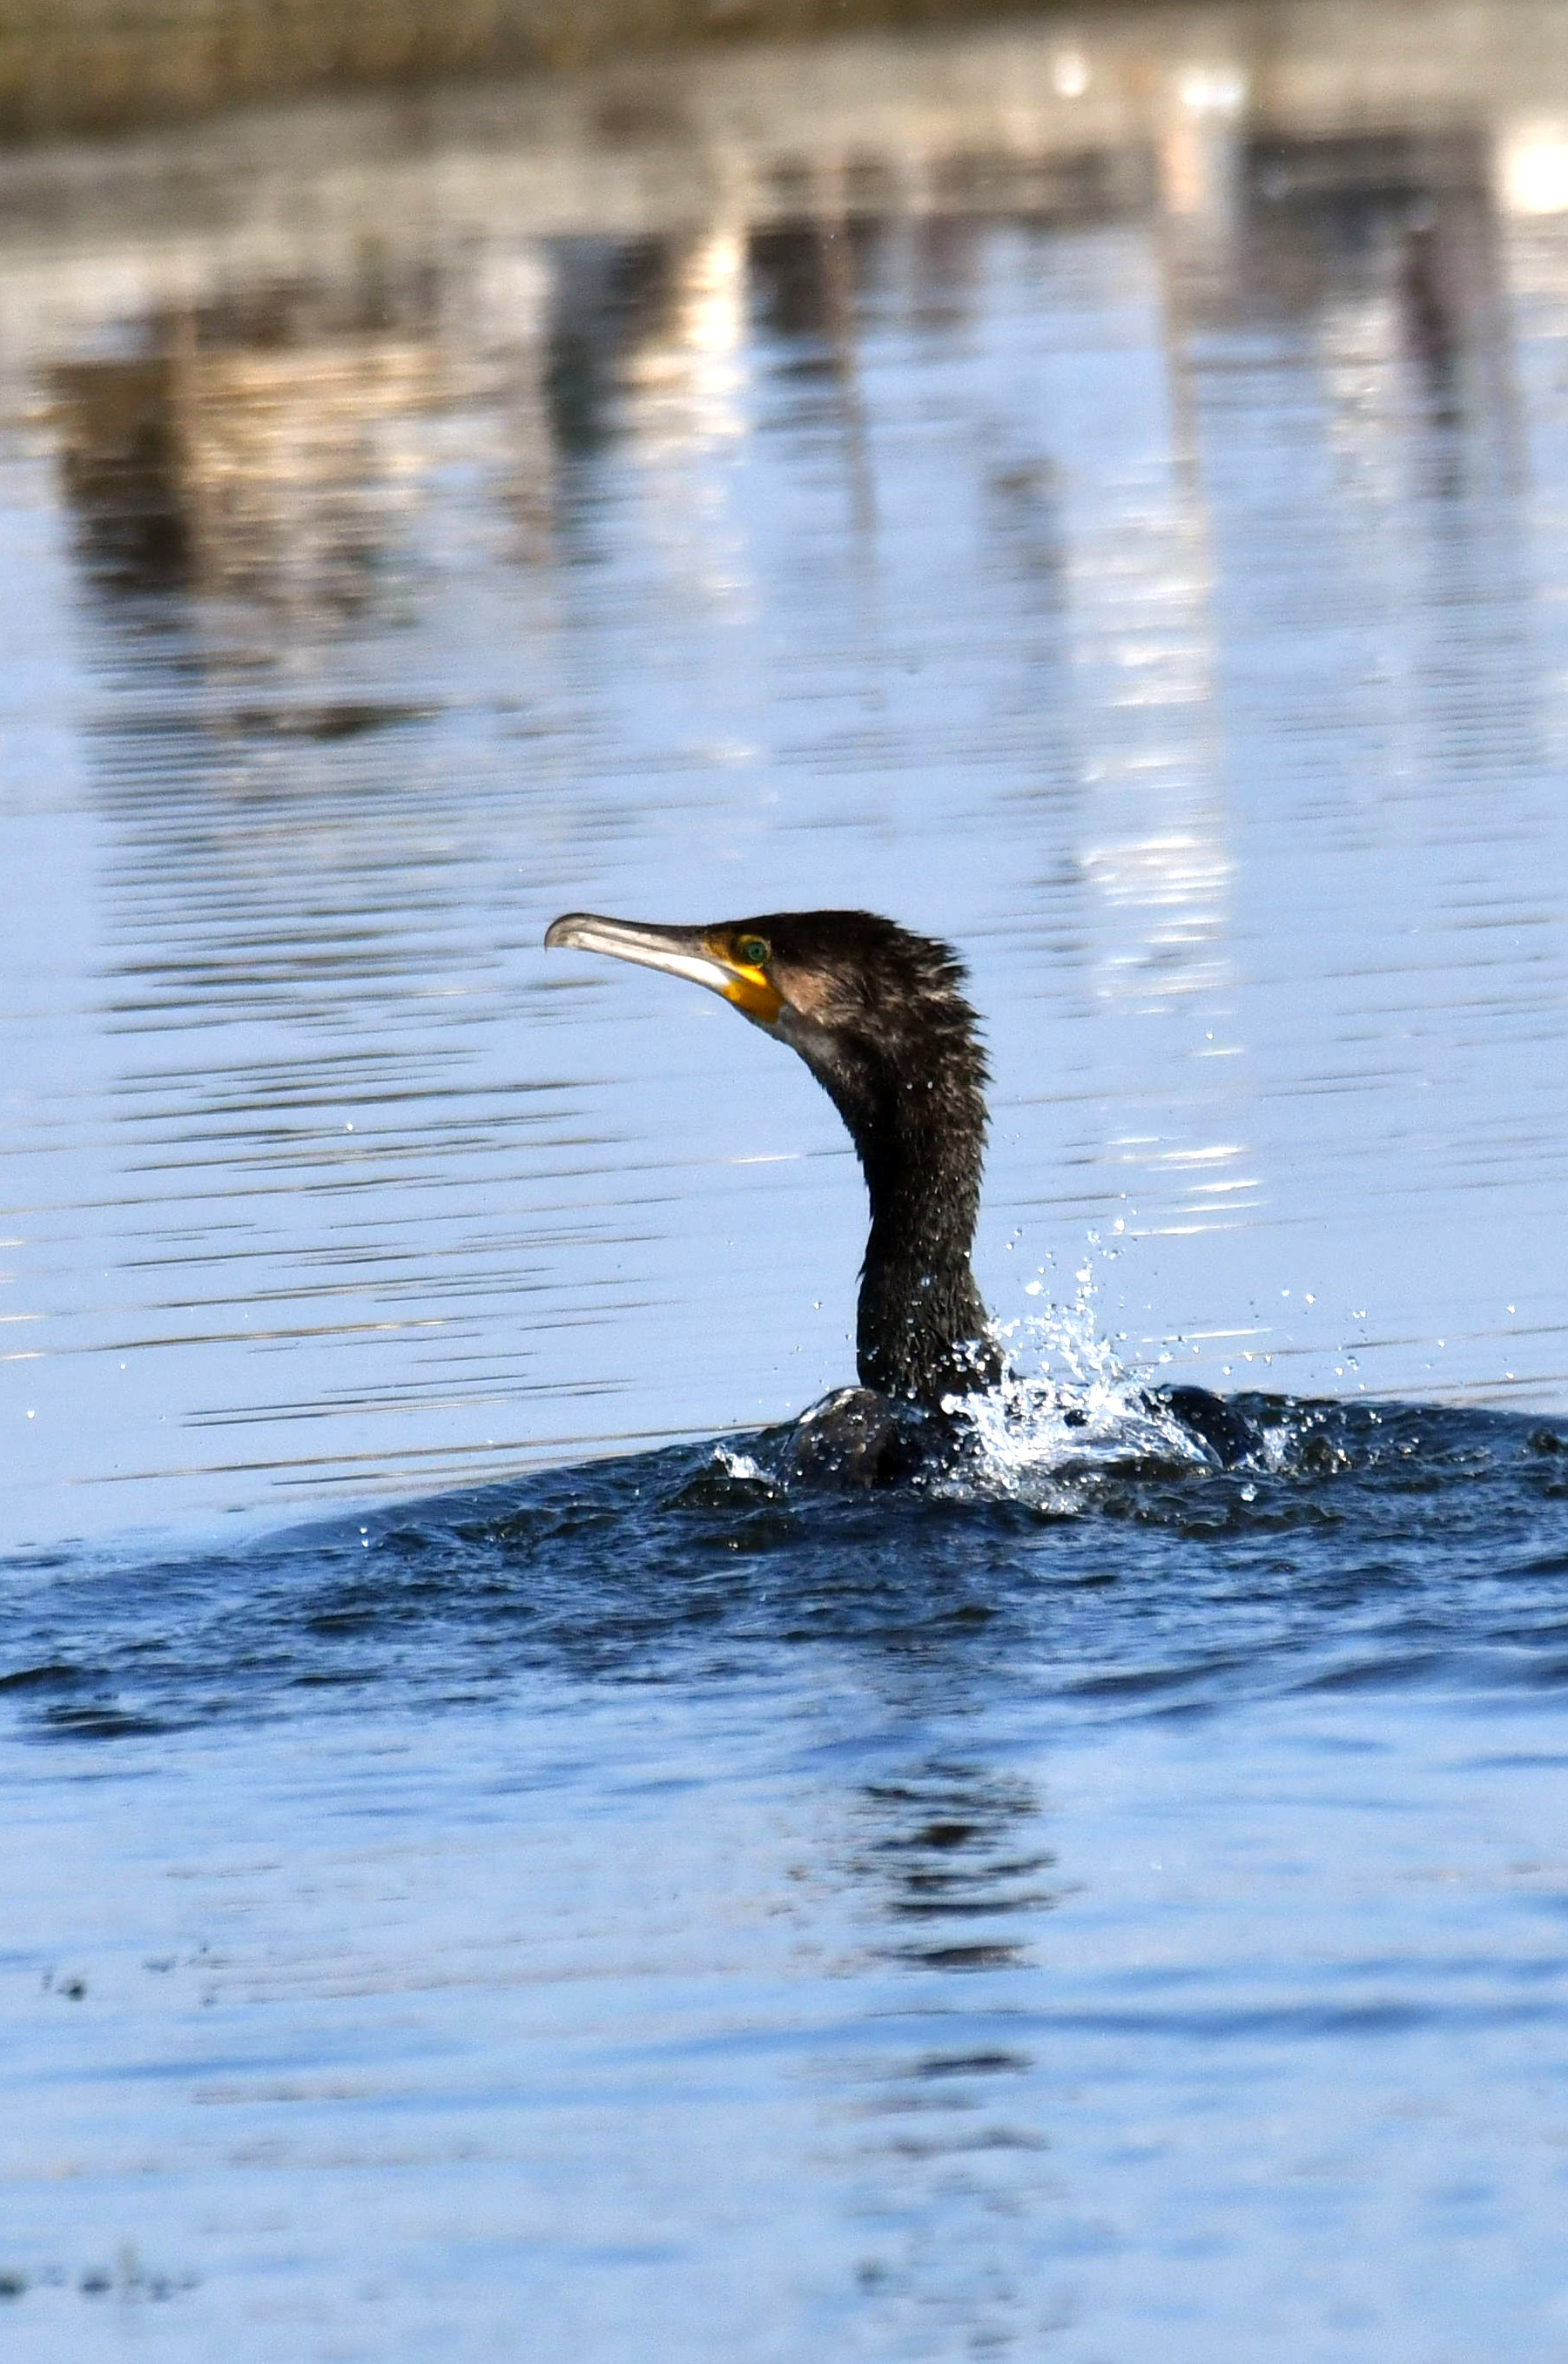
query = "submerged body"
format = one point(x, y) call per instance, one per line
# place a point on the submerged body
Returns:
point(879, 1016)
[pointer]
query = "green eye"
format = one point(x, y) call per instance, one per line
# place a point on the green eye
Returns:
point(752, 951)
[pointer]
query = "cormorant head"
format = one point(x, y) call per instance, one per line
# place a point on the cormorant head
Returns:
point(871, 1009)
point(880, 1018)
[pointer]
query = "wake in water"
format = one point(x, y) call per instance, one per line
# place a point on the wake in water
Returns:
point(1387, 1539)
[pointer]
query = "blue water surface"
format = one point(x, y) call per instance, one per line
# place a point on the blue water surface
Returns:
point(489, 1868)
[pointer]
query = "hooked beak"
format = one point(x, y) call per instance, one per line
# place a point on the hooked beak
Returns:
point(693, 953)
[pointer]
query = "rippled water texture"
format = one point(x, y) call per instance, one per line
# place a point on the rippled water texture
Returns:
point(1099, 496)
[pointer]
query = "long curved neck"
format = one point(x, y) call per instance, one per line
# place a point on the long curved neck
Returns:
point(923, 1332)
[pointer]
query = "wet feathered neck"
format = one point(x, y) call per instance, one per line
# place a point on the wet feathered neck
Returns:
point(913, 1097)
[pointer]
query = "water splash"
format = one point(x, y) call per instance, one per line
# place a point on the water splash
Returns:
point(1064, 1405)
point(1065, 1401)
point(730, 1462)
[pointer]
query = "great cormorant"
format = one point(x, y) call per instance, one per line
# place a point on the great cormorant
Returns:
point(879, 1016)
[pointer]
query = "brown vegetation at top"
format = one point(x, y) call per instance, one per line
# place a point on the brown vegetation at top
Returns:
point(74, 66)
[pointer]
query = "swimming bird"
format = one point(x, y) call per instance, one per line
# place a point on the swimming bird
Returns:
point(879, 1016)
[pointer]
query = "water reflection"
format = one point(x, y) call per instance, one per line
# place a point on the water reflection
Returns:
point(953, 1858)
point(268, 450)
point(1095, 496)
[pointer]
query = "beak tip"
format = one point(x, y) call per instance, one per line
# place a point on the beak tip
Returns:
point(560, 934)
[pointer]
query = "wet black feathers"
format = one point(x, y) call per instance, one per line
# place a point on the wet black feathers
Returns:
point(879, 1015)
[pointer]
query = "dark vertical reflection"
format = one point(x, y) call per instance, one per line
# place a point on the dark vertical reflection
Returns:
point(810, 278)
point(945, 251)
point(795, 301)
point(951, 1860)
point(943, 2128)
point(124, 470)
point(609, 292)
point(1447, 282)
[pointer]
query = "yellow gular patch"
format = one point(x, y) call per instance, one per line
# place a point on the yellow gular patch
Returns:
point(748, 989)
